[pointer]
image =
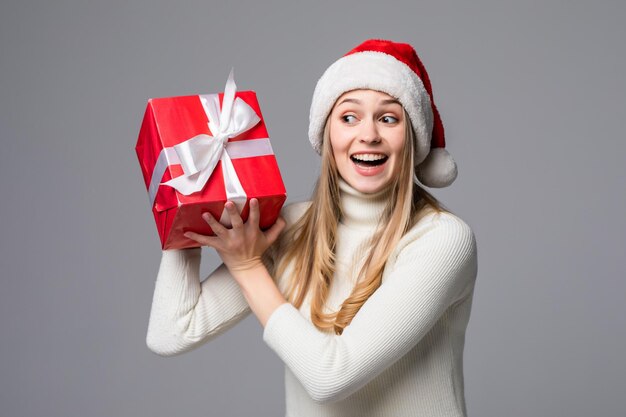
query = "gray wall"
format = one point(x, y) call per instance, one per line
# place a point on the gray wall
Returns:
point(532, 99)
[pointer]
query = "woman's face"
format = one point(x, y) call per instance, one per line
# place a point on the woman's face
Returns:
point(367, 138)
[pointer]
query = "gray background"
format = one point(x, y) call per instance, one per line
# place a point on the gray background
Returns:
point(532, 99)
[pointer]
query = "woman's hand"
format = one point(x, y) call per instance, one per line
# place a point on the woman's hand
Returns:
point(240, 249)
point(241, 246)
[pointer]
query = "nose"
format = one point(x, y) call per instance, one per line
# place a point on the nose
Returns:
point(369, 132)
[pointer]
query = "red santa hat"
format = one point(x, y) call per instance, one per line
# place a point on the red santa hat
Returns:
point(393, 68)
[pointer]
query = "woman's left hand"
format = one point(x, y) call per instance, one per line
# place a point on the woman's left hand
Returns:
point(241, 246)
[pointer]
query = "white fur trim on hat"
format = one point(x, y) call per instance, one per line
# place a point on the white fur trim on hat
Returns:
point(374, 71)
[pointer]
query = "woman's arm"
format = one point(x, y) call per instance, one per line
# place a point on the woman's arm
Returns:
point(241, 248)
point(186, 313)
point(431, 273)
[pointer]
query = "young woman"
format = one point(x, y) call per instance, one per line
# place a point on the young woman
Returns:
point(366, 293)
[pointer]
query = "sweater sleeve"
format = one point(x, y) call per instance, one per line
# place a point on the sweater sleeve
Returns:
point(433, 271)
point(187, 313)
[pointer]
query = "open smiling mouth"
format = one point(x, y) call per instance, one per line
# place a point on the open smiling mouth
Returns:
point(369, 159)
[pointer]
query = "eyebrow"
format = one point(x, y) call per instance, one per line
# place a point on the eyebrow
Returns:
point(354, 100)
point(391, 101)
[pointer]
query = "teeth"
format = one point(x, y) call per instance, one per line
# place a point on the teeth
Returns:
point(369, 156)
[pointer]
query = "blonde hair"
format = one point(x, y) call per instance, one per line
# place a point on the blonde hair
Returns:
point(310, 242)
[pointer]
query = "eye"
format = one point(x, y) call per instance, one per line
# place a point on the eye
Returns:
point(348, 118)
point(389, 119)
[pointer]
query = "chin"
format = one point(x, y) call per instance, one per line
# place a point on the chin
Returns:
point(370, 187)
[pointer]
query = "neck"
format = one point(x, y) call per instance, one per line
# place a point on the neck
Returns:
point(361, 210)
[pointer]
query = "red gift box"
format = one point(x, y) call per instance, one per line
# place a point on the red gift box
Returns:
point(174, 140)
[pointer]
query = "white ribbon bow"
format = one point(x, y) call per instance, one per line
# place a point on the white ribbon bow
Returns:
point(199, 155)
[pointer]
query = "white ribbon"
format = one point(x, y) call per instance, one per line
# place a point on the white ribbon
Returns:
point(199, 155)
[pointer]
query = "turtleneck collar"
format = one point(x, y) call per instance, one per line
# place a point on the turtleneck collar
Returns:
point(361, 210)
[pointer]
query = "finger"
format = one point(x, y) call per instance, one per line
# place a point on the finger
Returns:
point(253, 219)
point(235, 218)
point(217, 227)
point(202, 239)
point(273, 232)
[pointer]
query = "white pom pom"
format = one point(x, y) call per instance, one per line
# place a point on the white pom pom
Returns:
point(438, 169)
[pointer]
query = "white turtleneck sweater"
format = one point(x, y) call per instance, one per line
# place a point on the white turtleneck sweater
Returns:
point(402, 354)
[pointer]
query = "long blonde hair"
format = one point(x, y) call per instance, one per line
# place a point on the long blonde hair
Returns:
point(310, 243)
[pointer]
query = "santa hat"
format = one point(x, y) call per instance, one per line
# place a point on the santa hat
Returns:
point(395, 69)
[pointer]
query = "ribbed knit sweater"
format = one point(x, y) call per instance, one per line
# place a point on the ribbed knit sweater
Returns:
point(402, 354)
